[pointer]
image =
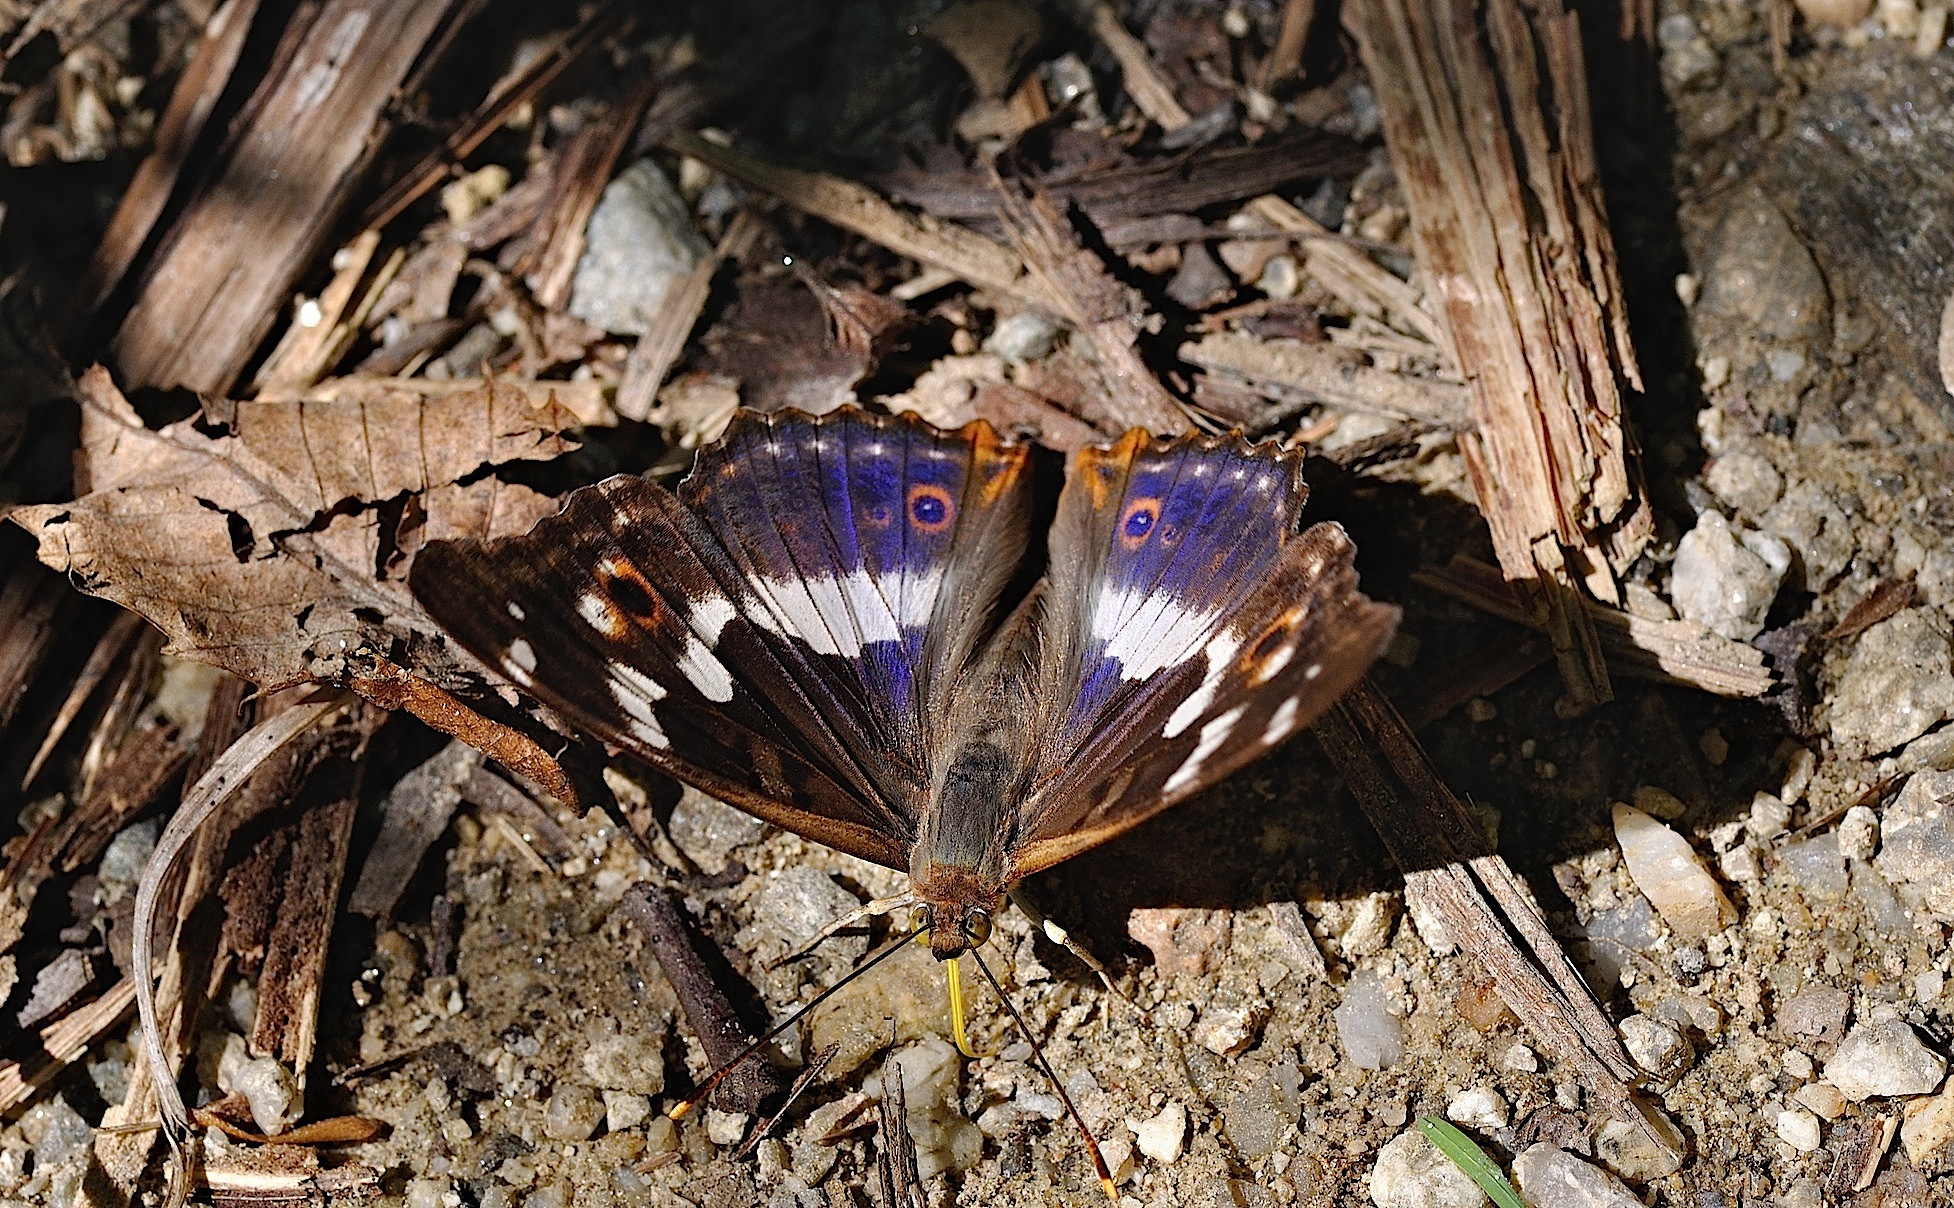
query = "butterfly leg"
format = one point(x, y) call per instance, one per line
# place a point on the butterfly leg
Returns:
point(1063, 938)
point(873, 909)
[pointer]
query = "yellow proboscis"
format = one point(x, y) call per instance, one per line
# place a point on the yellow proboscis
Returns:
point(953, 969)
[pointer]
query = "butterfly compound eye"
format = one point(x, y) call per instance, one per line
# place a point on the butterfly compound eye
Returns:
point(977, 925)
point(921, 919)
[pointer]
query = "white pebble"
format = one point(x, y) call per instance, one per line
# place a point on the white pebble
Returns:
point(1670, 874)
point(1859, 833)
point(1480, 1107)
point(1798, 1128)
point(1162, 1137)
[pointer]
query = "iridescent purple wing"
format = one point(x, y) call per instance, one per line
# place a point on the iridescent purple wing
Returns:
point(771, 632)
point(1187, 627)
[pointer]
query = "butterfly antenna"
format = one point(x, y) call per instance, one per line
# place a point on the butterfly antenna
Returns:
point(1038, 1051)
point(873, 909)
point(719, 1075)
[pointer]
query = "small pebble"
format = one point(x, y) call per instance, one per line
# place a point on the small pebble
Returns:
point(1659, 803)
point(1631, 1152)
point(1897, 684)
point(1522, 1059)
point(1671, 875)
point(1928, 1130)
point(1162, 1136)
point(1371, 1035)
point(1815, 1013)
point(1798, 1128)
point(1025, 336)
point(573, 1113)
point(1798, 1064)
point(725, 1128)
point(1479, 1107)
point(1715, 747)
point(1917, 841)
point(1550, 1177)
point(1725, 579)
point(1657, 1047)
point(931, 1071)
point(1410, 1172)
point(1822, 1099)
point(1884, 1057)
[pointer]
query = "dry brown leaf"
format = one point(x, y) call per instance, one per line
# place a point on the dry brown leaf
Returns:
point(248, 551)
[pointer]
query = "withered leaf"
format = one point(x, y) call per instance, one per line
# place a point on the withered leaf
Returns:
point(247, 550)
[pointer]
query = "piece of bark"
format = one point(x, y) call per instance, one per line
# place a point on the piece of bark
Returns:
point(508, 98)
point(30, 601)
point(1303, 374)
point(228, 263)
point(1677, 652)
point(1510, 229)
point(147, 762)
point(721, 1032)
point(109, 649)
point(1452, 873)
point(1144, 83)
point(1287, 56)
point(172, 153)
point(1363, 284)
point(1108, 312)
point(414, 813)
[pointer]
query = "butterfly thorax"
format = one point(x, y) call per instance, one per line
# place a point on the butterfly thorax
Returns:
point(957, 868)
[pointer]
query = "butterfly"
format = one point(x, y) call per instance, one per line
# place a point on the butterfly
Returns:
point(852, 626)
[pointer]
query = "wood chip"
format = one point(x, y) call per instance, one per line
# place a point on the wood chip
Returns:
point(1321, 374)
point(1678, 652)
point(413, 814)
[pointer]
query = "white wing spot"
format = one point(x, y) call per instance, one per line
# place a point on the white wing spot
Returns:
point(1218, 653)
point(602, 617)
point(635, 693)
point(709, 618)
point(516, 612)
point(522, 656)
point(705, 671)
point(1212, 736)
point(1314, 670)
point(1282, 721)
point(1274, 663)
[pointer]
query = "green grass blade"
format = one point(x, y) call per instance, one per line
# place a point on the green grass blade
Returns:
point(1467, 1156)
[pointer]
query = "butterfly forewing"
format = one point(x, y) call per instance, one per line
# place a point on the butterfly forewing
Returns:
point(879, 546)
point(1190, 629)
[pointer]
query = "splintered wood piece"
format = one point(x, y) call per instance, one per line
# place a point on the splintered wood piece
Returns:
point(1106, 311)
point(62, 1042)
point(1676, 652)
point(656, 351)
point(1321, 373)
point(583, 169)
point(1363, 284)
point(227, 266)
point(1291, 37)
point(1508, 220)
point(1487, 910)
point(321, 333)
point(977, 259)
point(414, 813)
point(1144, 83)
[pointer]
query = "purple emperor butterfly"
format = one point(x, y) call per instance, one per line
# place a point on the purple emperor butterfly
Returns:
point(816, 627)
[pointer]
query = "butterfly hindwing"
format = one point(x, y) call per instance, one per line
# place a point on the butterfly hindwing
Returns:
point(1188, 629)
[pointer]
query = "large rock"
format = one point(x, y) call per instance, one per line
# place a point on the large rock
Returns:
point(1897, 685)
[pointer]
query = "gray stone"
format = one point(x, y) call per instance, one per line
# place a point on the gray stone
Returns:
point(55, 1130)
point(1884, 1057)
point(1817, 528)
point(573, 1113)
point(1372, 1037)
point(1898, 684)
point(1550, 1177)
point(1687, 56)
point(1640, 1154)
point(1025, 336)
point(1936, 577)
point(792, 905)
point(1759, 273)
point(1746, 481)
point(708, 830)
point(125, 856)
point(1725, 578)
point(1917, 841)
point(1260, 1113)
point(945, 1139)
point(639, 245)
point(1816, 865)
point(1410, 1172)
